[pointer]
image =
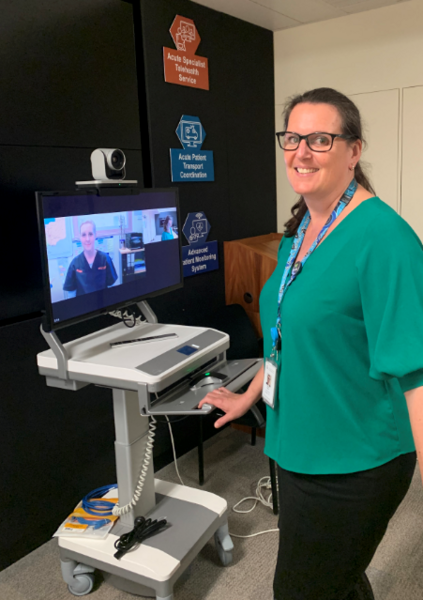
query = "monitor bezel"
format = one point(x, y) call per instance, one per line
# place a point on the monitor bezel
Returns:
point(49, 324)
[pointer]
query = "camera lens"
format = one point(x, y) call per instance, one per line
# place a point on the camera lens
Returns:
point(117, 160)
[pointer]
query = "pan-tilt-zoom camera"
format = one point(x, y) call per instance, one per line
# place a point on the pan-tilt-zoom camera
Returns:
point(108, 168)
point(108, 164)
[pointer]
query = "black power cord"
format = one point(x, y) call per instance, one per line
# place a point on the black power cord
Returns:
point(143, 529)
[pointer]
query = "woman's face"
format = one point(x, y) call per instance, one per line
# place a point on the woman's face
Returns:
point(87, 237)
point(169, 224)
point(317, 175)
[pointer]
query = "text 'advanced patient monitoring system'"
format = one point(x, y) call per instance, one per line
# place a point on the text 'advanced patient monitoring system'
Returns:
point(106, 251)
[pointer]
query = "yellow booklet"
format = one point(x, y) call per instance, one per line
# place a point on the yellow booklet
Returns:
point(83, 524)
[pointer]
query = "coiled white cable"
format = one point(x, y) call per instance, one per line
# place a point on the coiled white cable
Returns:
point(264, 482)
point(117, 510)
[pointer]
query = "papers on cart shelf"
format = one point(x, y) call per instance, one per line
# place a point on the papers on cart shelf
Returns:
point(82, 524)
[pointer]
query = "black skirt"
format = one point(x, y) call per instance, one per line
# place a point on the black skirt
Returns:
point(331, 525)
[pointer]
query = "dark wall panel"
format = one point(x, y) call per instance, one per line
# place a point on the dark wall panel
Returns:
point(68, 85)
point(68, 74)
point(237, 114)
point(250, 128)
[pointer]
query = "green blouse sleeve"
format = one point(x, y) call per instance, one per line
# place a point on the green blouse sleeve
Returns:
point(390, 275)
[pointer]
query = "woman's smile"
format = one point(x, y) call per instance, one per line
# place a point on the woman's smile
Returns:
point(305, 170)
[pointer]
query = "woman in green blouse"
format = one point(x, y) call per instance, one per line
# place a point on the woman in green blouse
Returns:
point(168, 233)
point(348, 410)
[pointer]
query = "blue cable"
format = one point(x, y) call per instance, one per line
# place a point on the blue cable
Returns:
point(101, 507)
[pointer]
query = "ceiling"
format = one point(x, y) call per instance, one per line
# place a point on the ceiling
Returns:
point(283, 14)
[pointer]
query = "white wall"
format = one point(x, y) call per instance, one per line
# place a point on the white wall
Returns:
point(374, 57)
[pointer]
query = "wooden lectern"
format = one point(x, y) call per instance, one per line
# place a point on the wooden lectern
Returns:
point(248, 265)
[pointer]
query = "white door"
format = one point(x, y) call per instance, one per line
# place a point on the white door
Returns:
point(412, 159)
point(380, 116)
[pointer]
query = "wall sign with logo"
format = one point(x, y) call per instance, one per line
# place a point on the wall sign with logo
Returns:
point(182, 66)
point(199, 256)
point(191, 163)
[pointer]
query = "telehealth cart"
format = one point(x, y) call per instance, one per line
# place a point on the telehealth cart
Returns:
point(166, 377)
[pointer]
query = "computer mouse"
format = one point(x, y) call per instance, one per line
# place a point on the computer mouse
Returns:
point(207, 380)
point(210, 380)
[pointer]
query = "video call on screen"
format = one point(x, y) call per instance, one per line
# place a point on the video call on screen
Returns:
point(98, 259)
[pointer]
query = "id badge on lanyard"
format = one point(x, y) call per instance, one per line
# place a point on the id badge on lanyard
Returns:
point(271, 371)
point(292, 269)
point(270, 382)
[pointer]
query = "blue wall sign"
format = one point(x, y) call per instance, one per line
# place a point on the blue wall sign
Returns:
point(191, 163)
point(196, 228)
point(200, 256)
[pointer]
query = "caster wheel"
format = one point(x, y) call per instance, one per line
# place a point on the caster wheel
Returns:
point(224, 555)
point(84, 586)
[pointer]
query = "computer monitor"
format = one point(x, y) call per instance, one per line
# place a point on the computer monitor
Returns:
point(107, 250)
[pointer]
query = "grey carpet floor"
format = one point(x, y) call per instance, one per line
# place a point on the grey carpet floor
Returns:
point(232, 469)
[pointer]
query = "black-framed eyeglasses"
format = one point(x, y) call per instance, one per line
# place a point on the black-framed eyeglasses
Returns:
point(319, 141)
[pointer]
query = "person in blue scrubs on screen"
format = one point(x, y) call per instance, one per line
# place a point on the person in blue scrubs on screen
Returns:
point(92, 270)
point(168, 233)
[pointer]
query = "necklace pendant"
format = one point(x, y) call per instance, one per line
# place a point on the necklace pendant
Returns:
point(296, 269)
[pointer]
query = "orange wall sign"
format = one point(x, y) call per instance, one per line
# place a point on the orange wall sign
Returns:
point(182, 66)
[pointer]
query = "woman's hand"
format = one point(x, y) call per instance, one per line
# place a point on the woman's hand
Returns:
point(234, 405)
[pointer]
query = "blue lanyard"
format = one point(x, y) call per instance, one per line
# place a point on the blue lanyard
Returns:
point(296, 245)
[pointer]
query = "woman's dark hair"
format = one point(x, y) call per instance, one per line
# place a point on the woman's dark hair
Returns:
point(351, 125)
